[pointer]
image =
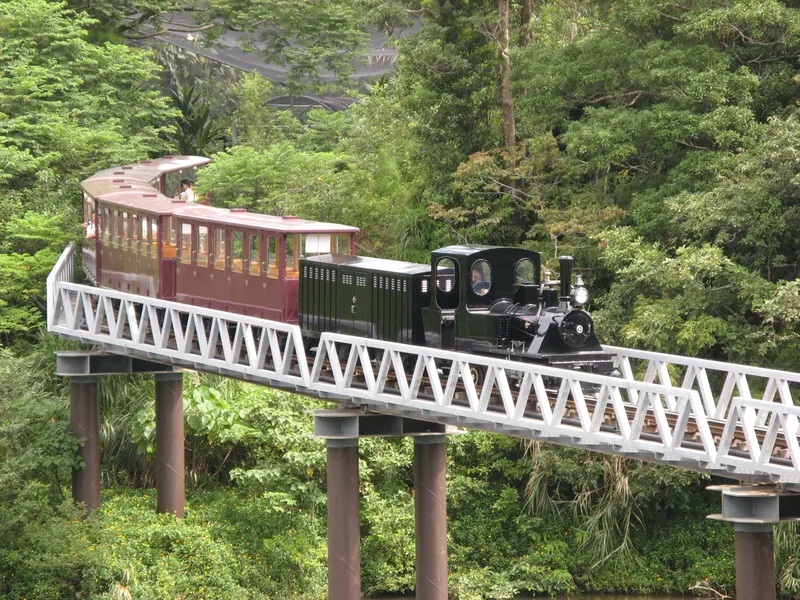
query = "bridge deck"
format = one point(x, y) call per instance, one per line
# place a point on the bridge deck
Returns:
point(732, 420)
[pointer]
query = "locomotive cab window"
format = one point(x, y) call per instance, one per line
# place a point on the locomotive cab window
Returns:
point(525, 272)
point(446, 288)
point(481, 277)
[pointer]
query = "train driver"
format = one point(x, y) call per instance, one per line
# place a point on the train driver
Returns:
point(480, 285)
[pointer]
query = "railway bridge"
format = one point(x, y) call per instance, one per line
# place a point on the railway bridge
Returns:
point(734, 421)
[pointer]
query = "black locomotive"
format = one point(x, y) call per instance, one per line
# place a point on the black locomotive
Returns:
point(478, 299)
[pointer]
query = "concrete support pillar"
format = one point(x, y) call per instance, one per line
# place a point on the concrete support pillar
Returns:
point(755, 562)
point(170, 462)
point(344, 525)
point(430, 508)
point(84, 422)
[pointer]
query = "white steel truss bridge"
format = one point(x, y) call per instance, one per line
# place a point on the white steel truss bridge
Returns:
point(737, 421)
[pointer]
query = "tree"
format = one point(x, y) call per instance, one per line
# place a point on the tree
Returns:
point(316, 40)
point(68, 108)
point(197, 131)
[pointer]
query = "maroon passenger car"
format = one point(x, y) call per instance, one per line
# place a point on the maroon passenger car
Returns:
point(248, 262)
point(140, 240)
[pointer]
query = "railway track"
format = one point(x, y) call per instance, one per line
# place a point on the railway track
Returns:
point(650, 427)
point(728, 431)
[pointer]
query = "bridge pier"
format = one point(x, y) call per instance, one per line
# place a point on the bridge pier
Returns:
point(84, 423)
point(755, 562)
point(344, 522)
point(430, 516)
point(342, 429)
point(754, 510)
point(170, 458)
point(84, 368)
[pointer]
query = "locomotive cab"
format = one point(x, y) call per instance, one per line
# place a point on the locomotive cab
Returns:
point(473, 286)
point(492, 301)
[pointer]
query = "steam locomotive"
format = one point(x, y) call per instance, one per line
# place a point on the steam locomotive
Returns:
point(479, 299)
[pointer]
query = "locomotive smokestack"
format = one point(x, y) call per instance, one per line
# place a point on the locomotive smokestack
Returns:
point(565, 276)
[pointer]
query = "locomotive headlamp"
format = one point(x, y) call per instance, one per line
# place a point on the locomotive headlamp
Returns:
point(580, 294)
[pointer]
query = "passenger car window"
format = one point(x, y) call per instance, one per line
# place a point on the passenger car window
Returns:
point(272, 258)
point(291, 255)
point(186, 243)
point(237, 251)
point(202, 246)
point(219, 249)
point(255, 255)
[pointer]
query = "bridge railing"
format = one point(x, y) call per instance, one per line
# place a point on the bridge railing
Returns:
point(649, 418)
point(761, 443)
point(718, 383)
point(63, 272)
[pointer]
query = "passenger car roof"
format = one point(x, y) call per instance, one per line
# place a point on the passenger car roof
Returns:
point(243, 218)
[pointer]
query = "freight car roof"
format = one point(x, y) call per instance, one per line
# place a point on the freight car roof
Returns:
point(395, 267)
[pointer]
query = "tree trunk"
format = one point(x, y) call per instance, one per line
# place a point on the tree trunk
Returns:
point(525, 28)
point(509, 125)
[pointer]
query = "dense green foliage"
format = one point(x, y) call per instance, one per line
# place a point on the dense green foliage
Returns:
point(656, 141)
point(265, 536)
point(67, 109)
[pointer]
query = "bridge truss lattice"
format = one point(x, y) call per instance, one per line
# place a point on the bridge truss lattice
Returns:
point(732, 420)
